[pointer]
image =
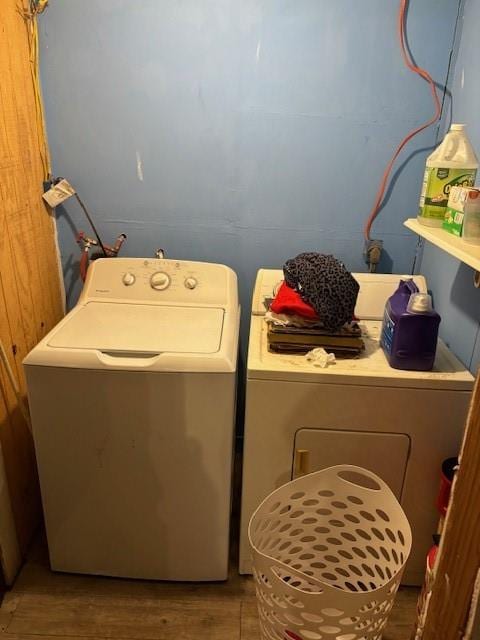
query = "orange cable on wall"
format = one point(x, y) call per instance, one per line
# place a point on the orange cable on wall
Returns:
point(438, 109)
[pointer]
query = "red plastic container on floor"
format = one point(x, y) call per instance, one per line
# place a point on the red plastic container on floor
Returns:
point(449, 467)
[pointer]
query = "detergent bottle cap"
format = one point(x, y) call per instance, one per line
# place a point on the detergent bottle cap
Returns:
point(420, 303)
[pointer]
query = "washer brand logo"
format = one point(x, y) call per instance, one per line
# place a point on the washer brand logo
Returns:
point(102, 290)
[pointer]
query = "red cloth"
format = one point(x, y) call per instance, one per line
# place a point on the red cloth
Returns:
point(288, 301)
point(292, 635)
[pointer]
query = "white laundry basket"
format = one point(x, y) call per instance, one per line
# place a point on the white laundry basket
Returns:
point(329, 551)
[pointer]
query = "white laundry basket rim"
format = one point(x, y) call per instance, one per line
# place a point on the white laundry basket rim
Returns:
point(383, 493)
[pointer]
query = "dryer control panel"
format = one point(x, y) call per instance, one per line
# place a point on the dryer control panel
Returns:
point(153, 280)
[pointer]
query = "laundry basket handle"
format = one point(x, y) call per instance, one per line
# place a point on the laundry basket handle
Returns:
point(359, 477)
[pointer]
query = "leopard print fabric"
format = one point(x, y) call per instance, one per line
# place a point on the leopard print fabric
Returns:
point(324, 283)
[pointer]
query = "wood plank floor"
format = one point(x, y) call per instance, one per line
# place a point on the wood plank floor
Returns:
point(53, 606)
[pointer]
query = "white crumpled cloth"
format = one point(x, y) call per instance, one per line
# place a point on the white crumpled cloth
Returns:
point(320, 358)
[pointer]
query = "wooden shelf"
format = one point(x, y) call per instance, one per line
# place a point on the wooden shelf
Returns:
point(467, 253)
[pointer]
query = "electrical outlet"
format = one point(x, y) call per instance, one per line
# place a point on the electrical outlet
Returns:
point(372, 253)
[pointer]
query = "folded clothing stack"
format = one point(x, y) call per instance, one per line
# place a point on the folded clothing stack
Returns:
point(314, 308)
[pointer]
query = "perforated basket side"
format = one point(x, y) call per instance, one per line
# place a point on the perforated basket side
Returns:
point(328, 555)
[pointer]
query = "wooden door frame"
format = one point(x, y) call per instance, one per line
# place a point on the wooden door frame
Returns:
point(450, 605)
point(30, 284)
point(10, 556)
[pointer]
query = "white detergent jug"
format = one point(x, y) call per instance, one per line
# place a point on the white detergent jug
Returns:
point(452, 163)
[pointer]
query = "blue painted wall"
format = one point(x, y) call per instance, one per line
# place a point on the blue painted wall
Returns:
point(456, 299)
point(261, 127)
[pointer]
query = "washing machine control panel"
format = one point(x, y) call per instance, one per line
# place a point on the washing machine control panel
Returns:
point(159, 280)
point(190, 282)
point(128, 279)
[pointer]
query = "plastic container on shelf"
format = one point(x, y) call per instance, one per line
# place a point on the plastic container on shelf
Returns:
point(452, 163)
point(462, 217)
point(471, 218)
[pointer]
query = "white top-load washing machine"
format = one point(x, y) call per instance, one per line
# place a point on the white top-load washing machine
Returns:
point(399, 424)
point(132, 398)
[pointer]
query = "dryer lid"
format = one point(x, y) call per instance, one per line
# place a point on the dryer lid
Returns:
point(141, 328)
point(375, 289)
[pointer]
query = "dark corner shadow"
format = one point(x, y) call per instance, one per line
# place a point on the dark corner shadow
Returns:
point(71, 266)
point(386, 263)
point(464, 295)
point(61, 212)
point(71, 273)
point(445, 97)
point(397, 173)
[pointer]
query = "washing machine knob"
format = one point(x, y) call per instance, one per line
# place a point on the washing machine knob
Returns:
point(190, 283)
point(160, 280)
point(128, 279)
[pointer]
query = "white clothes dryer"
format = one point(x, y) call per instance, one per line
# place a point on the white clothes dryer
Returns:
point(399, 424)
point(132, 397)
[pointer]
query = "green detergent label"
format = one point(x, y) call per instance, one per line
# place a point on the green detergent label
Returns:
point(437, 183)
point(453, 221)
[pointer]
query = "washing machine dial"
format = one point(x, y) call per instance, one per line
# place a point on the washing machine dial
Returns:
point(160, 280)
point(128, 279)
point(190, 283)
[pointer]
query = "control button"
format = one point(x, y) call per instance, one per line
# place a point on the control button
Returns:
point(160, 280)
point(128, 279)
point(190, 283)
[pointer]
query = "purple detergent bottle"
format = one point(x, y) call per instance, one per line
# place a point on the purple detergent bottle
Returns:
point(410, 329)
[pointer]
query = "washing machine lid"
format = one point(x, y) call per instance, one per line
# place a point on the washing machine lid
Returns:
point(140, 328)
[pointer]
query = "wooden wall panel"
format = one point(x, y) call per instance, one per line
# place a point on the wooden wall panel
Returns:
point(30, 290)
